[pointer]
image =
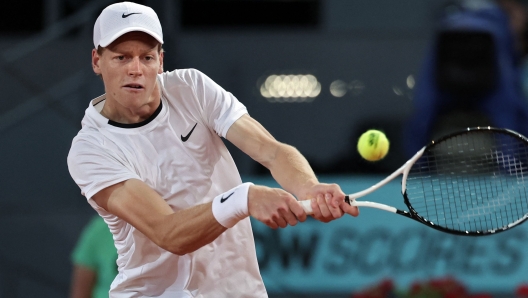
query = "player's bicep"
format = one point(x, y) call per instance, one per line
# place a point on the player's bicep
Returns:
point(136, 203)
point(253, 139)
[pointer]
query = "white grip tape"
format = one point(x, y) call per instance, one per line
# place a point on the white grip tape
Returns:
point(232, 206)
point(307, 206)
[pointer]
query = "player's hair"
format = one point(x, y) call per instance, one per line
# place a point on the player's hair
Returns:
point(100, 49)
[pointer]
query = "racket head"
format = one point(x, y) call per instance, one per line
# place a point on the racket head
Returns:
point(473, 182)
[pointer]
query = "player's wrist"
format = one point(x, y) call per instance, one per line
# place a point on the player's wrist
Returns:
point(232, 206)
point(305, 189)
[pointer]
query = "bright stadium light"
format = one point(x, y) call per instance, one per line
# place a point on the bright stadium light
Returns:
point(290, 88)
point(397, 90)
point(410, 81)
point(338, 88)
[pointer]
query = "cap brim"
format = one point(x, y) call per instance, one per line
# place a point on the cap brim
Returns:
point(106, 41)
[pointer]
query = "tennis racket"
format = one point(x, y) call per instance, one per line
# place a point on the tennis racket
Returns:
point(473, 182)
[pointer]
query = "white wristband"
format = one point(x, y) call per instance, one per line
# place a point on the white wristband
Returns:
point(232, 206)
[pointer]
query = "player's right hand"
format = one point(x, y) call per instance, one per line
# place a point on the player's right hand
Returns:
point(274, 207)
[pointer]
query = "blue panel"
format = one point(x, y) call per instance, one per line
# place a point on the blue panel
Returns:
point(350, 254)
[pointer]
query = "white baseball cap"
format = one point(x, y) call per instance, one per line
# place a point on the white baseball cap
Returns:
point(120, 18)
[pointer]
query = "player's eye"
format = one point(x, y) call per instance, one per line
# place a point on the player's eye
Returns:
point(120, 58)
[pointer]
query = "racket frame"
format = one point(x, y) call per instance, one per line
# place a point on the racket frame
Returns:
point(405, 169)
point(414, 215)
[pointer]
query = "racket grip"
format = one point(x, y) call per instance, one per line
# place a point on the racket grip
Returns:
point(307, 205)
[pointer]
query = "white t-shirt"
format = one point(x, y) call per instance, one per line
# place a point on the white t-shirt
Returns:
point(179, 153)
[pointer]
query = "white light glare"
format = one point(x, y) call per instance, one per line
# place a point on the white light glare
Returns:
point(339, 88)
point(410, 81)
point(290, 88)
point(397, 90)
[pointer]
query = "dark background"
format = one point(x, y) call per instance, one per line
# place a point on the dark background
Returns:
point(47, 82)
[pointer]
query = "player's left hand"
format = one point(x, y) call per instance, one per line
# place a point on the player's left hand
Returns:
point(328, 202)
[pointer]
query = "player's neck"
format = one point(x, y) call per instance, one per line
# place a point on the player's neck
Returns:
point(116, 111)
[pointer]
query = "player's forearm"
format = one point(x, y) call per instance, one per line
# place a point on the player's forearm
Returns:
point(178, 232)
point(291, 170)
point(188, 230)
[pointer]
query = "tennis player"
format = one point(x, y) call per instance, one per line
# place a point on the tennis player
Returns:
point(150, 160)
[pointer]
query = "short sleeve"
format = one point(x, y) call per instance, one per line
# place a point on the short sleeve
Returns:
point(220, 108)
point(94, 167)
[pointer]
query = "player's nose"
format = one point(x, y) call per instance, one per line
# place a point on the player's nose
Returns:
point(134, 67)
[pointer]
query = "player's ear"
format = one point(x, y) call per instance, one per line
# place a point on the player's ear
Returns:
point(95, 61)
point(161, 55)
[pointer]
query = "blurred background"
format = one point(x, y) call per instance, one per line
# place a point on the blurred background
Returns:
point(316, 74)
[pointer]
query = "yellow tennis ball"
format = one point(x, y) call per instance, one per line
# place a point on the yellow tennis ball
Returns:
point(373, 145)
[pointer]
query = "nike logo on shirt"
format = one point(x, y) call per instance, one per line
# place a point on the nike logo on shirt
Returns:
point(225, 199)
point(127, 15)
point(184, 139)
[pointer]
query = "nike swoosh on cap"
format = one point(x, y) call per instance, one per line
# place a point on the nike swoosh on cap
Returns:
point(127, 15)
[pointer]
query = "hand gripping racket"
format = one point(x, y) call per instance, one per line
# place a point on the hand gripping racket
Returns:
point(473, 182)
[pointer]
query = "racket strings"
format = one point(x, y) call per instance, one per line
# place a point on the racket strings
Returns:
point(471, 182)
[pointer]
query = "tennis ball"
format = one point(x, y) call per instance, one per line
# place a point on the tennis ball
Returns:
point(373, 145)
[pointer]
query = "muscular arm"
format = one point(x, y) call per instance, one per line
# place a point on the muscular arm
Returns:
point(179, 232)
point(289, 168)
point(186, 230)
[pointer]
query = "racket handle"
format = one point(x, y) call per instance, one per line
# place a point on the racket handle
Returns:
point(307, 205)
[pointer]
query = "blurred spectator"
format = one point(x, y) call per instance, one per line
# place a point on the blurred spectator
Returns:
point(518, 18)
point(471, 76)
point(94, 261)
point(518, 13)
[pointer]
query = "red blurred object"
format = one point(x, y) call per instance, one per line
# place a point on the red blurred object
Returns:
point(383, 289)
point(522, 291)
point(446, 287)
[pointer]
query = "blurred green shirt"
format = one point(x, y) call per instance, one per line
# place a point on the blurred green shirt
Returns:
point(95, 250)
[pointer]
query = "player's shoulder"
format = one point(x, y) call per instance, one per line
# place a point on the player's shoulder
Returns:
point(86, 139)
point(88, 134)
point(185, 76)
